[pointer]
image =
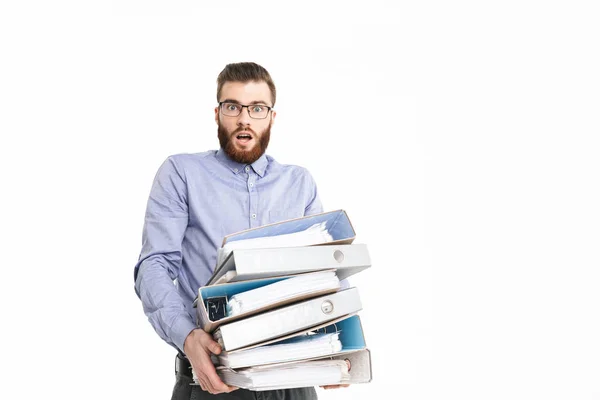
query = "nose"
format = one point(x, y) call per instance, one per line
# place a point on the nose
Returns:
point(244, 117)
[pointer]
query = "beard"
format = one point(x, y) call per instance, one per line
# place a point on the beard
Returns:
point(244, 156)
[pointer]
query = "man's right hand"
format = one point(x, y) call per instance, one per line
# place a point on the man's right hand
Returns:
point(197, 347)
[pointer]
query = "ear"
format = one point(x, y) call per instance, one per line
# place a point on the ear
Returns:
point(217, 115)
point(273, 115)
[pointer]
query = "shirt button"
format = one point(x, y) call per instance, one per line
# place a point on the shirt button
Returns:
point(236, 170)
point(254, 216)
point(247, 169)
point(251, 184)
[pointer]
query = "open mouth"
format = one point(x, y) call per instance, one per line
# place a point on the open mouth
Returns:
point(244, 137)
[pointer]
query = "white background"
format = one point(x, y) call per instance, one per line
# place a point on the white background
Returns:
point(460, 137)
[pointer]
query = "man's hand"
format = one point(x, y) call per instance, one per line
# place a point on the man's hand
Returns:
point(197, 347)
point(334, 386)
point(339, 386)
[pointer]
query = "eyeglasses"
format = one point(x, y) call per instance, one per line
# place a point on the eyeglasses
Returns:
point(256, 111)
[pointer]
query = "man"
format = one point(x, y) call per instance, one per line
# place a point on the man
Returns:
point(196, 200)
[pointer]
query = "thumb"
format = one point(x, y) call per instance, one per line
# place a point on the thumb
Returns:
point(214, 348)
point(209, 344)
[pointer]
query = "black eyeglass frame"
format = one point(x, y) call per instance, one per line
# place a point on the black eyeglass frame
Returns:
point(247, 106)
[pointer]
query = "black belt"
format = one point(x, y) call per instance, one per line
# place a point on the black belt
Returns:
point(183, 366)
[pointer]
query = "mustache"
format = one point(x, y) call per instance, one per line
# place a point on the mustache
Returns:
point(238, 130)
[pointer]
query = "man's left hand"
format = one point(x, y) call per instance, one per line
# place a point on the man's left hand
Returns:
point(334, 386)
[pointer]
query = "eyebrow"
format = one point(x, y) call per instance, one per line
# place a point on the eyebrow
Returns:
point(251, 103)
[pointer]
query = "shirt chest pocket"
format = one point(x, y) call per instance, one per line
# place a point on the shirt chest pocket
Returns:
point(278, 215)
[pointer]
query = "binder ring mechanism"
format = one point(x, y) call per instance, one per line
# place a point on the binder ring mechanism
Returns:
point(324, 329)
point(336, 330)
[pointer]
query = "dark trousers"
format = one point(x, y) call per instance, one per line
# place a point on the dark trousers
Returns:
point(183, 390)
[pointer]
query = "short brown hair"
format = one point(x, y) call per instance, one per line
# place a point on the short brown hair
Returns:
point(245, 72)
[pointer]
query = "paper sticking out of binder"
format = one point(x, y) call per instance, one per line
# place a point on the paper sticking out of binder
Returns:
point(291, 247)
point(286, 320)
point(340, 336)
point(313, 235)
point(349, 368)
point(309, 373)
point(239, 300)
point(293, 349)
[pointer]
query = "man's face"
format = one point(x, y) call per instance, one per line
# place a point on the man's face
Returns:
point(244, 139)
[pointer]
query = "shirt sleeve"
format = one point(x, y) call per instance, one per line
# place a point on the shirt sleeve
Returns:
point(160, 260)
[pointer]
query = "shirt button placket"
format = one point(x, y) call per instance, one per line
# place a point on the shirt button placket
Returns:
point(252, 197)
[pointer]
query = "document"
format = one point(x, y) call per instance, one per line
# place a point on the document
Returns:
point(290, 375)
point(315, 234)
point(295, 287)
point(293, 349)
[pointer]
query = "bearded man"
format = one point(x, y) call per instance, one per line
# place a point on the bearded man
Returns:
point(197, 199)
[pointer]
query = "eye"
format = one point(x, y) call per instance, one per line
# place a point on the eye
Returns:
point(232, 107)
point(258, 109)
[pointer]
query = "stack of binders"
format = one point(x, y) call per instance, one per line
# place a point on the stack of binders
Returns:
point(278, 306)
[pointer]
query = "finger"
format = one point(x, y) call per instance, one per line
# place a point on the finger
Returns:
point(206, 368)
point(199, 379)
point(201, 382)
point(215, 348)
point(218, 384)
point(216, 381)
point(202, 379)
point(203, 385)
point(211, 345)
point(207, 384)
point(326, 387)
point(213, 382)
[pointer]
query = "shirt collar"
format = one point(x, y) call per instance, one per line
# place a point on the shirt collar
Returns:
point(259, 166)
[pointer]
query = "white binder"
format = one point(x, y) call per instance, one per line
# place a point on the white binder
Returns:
point(287, 320)
point(230, 289)
point(348, 328)
point(300, 374)
point(336, 223)
point(246, 264)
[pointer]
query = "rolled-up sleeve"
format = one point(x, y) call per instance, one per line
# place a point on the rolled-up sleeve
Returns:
point(159, 263)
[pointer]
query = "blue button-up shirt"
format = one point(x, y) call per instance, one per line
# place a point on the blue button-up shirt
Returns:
point(197, 199)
